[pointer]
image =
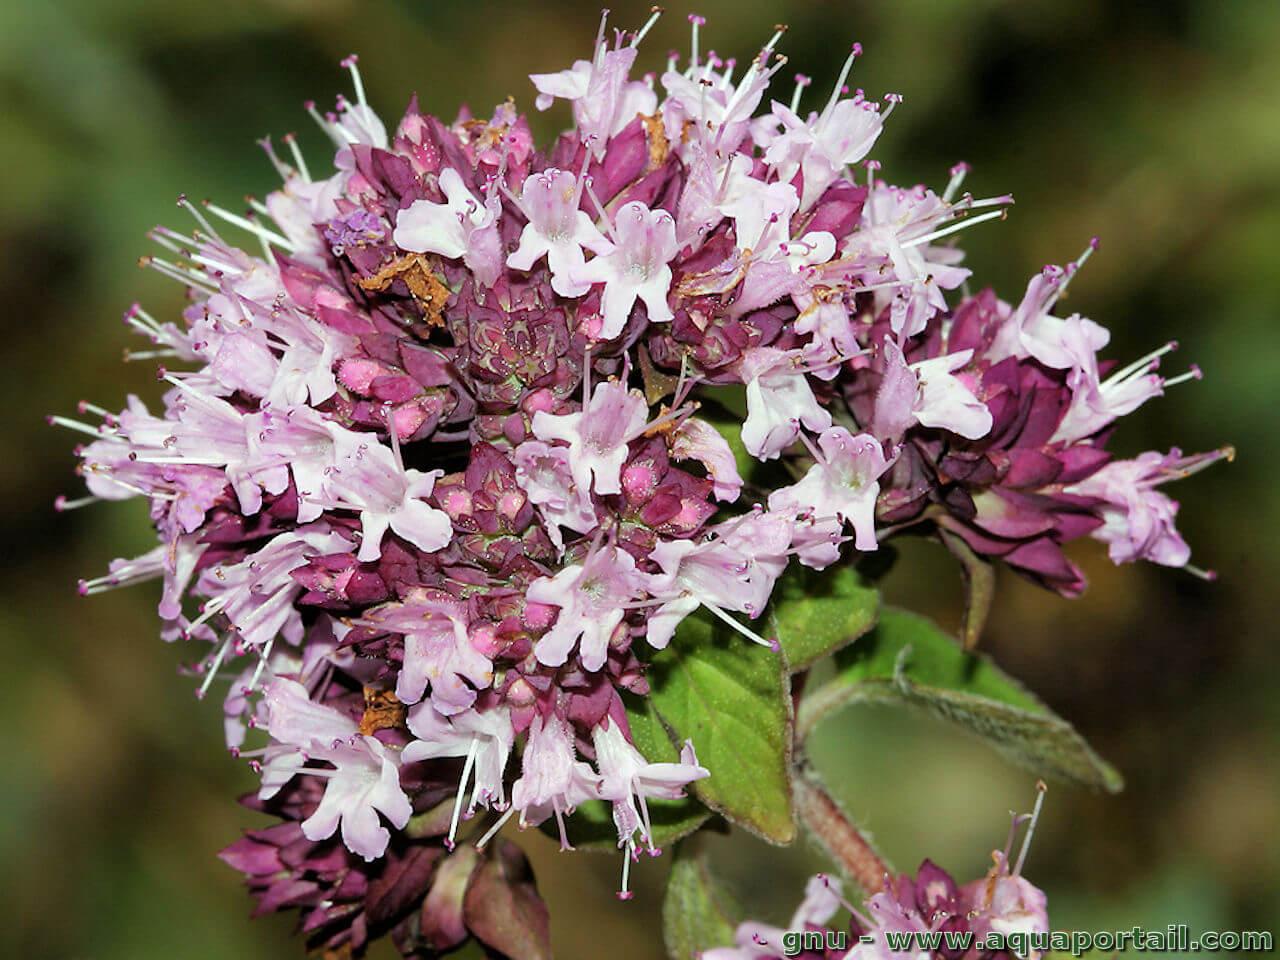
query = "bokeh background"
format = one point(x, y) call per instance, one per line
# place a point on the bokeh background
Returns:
point(1153, 125)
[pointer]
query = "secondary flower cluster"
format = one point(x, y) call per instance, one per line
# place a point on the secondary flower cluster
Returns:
point(925, 917)
point(452, 452)
point(930, 908)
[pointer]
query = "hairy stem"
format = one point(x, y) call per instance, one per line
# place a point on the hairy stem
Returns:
point(836, 833)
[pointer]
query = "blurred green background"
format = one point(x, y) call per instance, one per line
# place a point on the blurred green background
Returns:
point(1153, 125)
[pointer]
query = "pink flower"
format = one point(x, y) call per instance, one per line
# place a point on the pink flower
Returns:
point(930, 394)
point(832, 330)
point(1137, 519)
point(1005, 903)
point(174, 562)
point(761, 212)
point(365, 780)
point(593, 598)
point(697, 440)
point(842, 483)
point(634, 266)
point(813, 249)
point(552, 781)
point(369, 478)
point(779, 401)
point(437, 651)
point(1032, 331)
point(894, 243)
point(557, 229)
point(308, 443)
point(710, 106)
point(597, 435)
point(484, 738)
point(543, 472)
point(627, 777)
point(257, 594)
point(755, 941)
point(604, 100)
point(821, 146)
point(462, 226)
point(1097, 402)
point(209, 431)
point(733, 568)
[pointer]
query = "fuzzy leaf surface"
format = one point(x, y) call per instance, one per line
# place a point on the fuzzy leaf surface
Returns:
point(695, 911)
point(732, 698)
point(908, 659)
point(816, 613)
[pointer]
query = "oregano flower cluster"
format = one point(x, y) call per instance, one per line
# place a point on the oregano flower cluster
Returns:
point(458, 431)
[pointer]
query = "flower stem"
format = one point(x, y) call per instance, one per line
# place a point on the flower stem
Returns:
point(836, 833)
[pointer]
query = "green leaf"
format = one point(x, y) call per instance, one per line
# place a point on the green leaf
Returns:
point(695, 912)
point(591, 827)
point(908, 659)
point(732, 698)
point(814, 614)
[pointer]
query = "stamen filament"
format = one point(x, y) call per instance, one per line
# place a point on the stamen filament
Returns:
point(1041, 788)
point(462, 787)
point(299, 163)
point(492, 831)
point(213, 667)
point(255, 228)
point(655, 13)
point(745, 631)
point(955, 228)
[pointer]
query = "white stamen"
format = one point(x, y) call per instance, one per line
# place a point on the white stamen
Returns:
point(1071, 272)
point(655, 13)
point(726, 79)
point(251, 226)
point(394, 433)
point(213, 667)
point(212, 264)
point(853, 910)
point(1143, 363)
point(492, 831)
point(604, 216)
point(299, 161)
point(462, 787)
point(356, 82)
point(199, 217)
point(745, 631)
point(62, 504)
point(598, 55)
point(960, 171)
point(1041, 788)
point(801, 82)
point(954, 228)
point(1192, 374)
point(644, 817)
point(1201, 573)
point(262, 662)
point(188, 278)
point(844, 75)
point(98, 433)
point(695, 21)
point(307, 772)
point(627, 854)
point(210, 609)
